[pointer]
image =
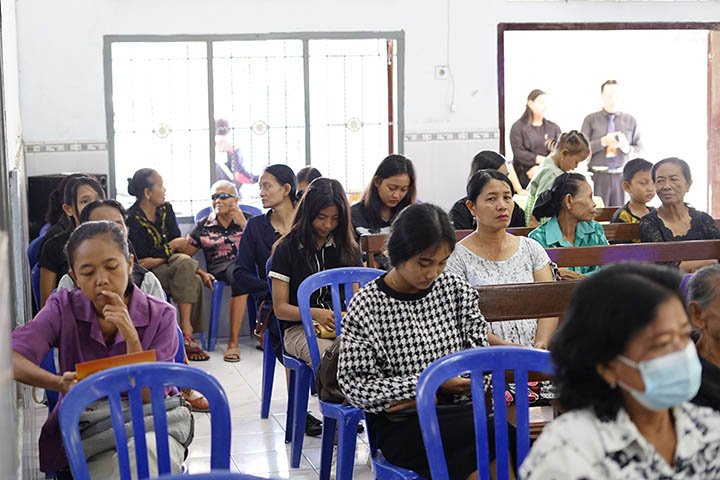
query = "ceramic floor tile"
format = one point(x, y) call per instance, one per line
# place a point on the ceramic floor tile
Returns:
point(253, 463)
point(312, 454)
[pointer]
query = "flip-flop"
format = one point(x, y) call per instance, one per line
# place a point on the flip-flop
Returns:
point(191, 350)
point(232, 355)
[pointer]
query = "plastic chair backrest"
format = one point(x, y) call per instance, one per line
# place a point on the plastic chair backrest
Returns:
point(219, 475)
point(180, 355)
point(254, 211)
point(495, 360)
point(33, 251)
point(132, 379)
point(333, 278)
point(35, 284)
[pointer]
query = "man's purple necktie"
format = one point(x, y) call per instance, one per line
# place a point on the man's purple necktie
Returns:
point(612, 162)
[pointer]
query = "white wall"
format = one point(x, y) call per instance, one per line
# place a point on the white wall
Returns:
point(61, 77)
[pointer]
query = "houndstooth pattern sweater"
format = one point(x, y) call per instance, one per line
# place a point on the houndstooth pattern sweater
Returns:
point(389, 338)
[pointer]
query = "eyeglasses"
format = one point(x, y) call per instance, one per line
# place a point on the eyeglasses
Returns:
point(221, 196)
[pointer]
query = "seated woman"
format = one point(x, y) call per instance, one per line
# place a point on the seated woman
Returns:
point(625, 372)
point(674, 220)
point(218, 235)
point(704, 309)
point(304, 177)
point(492, 256)
point(79, 191)
point(567, 151)
point(570, 205)
point(159, 247)
point(424, 314)
point(321, 238)
point(113, 211)
point(460, 214)
point(106, 316)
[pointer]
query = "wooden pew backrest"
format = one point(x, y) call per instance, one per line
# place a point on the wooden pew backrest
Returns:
point(499, 303)
point(637, 252)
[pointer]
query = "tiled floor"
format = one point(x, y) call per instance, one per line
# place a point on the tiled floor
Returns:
point(258, 446)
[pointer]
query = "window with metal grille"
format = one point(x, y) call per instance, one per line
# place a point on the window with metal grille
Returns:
point(332, 100)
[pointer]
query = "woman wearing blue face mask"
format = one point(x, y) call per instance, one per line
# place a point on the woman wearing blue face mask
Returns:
point(626, 371)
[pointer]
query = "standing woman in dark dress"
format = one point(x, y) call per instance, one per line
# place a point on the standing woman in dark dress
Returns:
point(529, 135)
point(675, 220)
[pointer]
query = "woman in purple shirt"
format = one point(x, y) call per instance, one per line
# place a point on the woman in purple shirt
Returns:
point(106, 315)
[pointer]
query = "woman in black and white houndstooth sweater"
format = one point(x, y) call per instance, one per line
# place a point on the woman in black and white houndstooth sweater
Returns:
point(399, 324)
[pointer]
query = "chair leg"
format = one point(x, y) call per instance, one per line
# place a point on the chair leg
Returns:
point(267, 377)
point(302, 392)
point(328, 444)
point(290, 407)
point(215, 309)
point(347, 440)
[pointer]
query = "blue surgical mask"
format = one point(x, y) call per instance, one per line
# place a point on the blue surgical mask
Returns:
point(669, 380)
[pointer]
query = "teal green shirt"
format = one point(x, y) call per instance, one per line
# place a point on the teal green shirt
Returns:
point(543, 180)
point(587, 234)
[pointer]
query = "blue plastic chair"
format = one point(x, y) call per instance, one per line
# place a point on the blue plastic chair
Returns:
point(112, 383)
point(349, 417)
point(217, 475)
point(299, 384)
point(48, 364)
point(35, 284)
point(33, 251)
point(254, 211)
point(496, 360)
point(180, 355)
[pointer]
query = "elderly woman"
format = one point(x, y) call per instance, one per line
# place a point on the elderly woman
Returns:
point(626, 370)
point(218, 236)
point(703, 299)
point(675, 220)
point(570, 206)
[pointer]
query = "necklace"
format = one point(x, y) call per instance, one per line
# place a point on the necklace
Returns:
point(487, 252)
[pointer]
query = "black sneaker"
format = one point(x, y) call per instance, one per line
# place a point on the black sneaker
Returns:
point(313, 426)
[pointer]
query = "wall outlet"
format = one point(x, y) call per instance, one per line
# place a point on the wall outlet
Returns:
point(441, 72)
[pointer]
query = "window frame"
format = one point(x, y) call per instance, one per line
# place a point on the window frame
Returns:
point(397, 126)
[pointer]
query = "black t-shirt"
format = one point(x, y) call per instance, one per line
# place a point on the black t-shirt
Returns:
point(463, 220)
point(52, 256)
point(709, 393)
point(151, 239)
point(290, 265)
point(361, 222)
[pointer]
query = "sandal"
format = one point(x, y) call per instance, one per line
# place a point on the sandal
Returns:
point(193, 351)
point(232, 355)
point(197, 401)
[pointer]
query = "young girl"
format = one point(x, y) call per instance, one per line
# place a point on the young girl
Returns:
point(400, 323)
point(492, 256)
point(79, 191)
point(113, 211)
point(392, 188)
point(105, 316)
point(321, 238)
point(568, 151)
point(155, 235)
point(570, 206)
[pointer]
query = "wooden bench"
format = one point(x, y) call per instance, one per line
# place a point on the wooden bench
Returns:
point(605, 214)
point(638, 252)
point(615, 233)
point(518, 301)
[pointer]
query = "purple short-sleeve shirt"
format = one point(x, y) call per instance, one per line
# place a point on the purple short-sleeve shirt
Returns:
point(69, 322)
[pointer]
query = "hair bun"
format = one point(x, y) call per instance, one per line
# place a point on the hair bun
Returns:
point(131, 187)
point(544, 205)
